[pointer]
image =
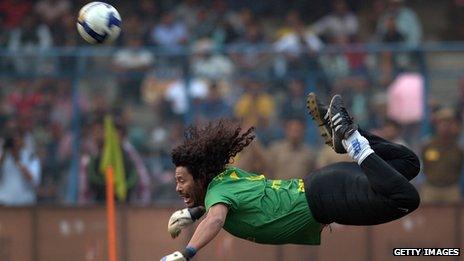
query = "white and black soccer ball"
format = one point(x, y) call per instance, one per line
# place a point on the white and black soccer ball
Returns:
point(99, 23)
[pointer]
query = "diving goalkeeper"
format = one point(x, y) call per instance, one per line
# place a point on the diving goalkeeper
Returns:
point(373, 189)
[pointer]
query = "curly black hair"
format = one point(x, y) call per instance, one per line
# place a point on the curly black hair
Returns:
point(206, 150)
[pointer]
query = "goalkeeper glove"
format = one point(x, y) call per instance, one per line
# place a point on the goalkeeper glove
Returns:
point(176, 256)
point(185, 255)
point(183, 218)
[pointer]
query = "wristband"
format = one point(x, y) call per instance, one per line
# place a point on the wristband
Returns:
point(190, 251)
point(196, 212)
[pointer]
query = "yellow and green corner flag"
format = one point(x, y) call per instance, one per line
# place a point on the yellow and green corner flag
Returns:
point(112, 157)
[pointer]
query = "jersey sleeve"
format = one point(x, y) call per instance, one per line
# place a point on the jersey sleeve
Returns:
point(219, 193)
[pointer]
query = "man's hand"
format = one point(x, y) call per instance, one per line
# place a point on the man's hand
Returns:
point(176, 256)
point(183, 218)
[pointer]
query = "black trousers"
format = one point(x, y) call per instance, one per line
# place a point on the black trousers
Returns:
point(376, 192)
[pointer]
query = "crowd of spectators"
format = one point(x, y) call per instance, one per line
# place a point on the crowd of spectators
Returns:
point(181, 62)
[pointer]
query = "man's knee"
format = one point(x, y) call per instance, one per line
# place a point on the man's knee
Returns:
point(411, 200)
point(413, 163)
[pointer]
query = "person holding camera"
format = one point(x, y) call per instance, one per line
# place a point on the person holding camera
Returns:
point(19, 172)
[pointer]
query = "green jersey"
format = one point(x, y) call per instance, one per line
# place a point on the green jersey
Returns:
point(262, 210)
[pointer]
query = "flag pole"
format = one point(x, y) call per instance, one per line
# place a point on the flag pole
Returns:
point(110, 214)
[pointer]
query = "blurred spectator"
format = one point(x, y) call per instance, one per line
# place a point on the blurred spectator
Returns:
point(224, 33)
point(142, 193)
point(355, 89)
point(5, 112)
point(443, 159)
point(391, 131)
point(291, 157)
point(229, 25)
point(25, 97)
point(369, 16)
point(298, 47)
point(4, 34)
point(14, 12)
point(134, 28)
point(326, 156)
point(213, 106)
point(169, 33)
point(187, 11)
point(241, 20)
point(255, 106)
point(392, 34)
point(406, 105)
point(92, 181)
point(67, 40)
point(28, 40)
point(19, 172)
point(293, 104)
point(26, 124)
point(148, 11)
point(336, 64)
point(179, 92)
point(294, 38)
point(54, 164)
point(269, 130)
point(454, 28)
point(204, 26)
point(208, 64)
point(163, 138)
point(131, 63)
point(340, 23)
point(51, 11)
point(153, 90)
point(391, 62)
point(406, 21)
point(247, 52)
point(345, 68)
point(61, 110)
point(253, 159)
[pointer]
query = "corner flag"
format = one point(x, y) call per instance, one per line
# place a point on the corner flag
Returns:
point(112, 158)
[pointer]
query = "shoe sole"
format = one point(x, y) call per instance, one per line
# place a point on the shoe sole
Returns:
point(311, 104)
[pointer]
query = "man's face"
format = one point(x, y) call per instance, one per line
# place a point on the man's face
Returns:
point(189, 190)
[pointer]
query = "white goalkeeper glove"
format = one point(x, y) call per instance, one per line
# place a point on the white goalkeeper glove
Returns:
point(183, 255)
point(176, 256)
point(183, 218)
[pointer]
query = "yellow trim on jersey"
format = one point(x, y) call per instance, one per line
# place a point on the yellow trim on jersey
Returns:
point(301, 186)
point(233, 176)
point(254, 178)
point(276, 184)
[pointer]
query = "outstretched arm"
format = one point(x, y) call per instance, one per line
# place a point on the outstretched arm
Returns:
point(209, 227)
point(205, 232)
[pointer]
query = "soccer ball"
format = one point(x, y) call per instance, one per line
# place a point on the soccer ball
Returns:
point(99, 23)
